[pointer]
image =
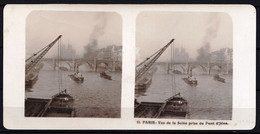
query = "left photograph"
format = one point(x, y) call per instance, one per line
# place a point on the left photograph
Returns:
point(73, 64)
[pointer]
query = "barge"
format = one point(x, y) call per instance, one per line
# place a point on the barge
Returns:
point(60, 105)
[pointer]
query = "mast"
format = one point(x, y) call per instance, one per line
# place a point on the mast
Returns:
point(173, 70)
point(59, 65)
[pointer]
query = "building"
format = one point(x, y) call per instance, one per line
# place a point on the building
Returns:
point(112, 52)
point(67, 52)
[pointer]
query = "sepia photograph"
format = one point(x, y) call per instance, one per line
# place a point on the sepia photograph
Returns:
point(131, 67)
point(184, 65)
point(73, 64)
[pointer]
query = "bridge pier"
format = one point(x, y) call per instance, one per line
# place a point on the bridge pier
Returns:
point(227, 69)
point(187, 68)
point(209, 68)
point(114, 66)
point(54, 64)
point(95, 65)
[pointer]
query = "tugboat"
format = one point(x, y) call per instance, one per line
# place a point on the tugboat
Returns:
point(77, 76)
point(191, 80)
point(104, 75)
point(218, 78)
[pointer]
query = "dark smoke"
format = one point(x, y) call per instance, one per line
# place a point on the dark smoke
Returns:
point(92, 47)
point(210, 34)
point(90, 50)
point(204, 53)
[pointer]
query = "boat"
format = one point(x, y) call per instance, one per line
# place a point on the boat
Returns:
point(144, 83)
point(30, 80)
point(218, 78)
point(76, 76)
point(174, 106)
point(104, 75)
point(59, 106)
point(148, 110)
point(177, 72)
point(35, 106)
point(191, 80)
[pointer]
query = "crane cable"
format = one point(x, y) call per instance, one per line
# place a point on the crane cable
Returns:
point(171, 68)
point(59, 68)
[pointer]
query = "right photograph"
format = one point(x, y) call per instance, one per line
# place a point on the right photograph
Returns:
point(184, 65)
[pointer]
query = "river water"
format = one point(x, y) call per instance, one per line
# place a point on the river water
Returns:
point(210, 99)
point(95, 97)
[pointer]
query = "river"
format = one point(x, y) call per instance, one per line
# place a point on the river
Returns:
point(95, 97)
point(210, 99)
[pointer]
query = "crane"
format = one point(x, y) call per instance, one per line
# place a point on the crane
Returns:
point(41, 53)
point(144, 66)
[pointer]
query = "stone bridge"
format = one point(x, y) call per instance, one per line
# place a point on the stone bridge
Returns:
point(93, 64)
point(204, 67)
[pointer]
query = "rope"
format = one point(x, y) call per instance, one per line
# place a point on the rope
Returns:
point(59, 65)
point(60, 70)
point(174, 70)
point(171, 68)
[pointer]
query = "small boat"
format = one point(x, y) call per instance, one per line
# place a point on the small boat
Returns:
point(174, 106)
point(191, 80)
point(218, 78)
point(77, 77)
point(176, 72)
point(30, 80)
point(59, 106)
point(144, 83)
point(104, 75)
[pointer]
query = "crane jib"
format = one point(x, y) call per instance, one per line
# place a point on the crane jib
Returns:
point(150, 61)
point(33, 63)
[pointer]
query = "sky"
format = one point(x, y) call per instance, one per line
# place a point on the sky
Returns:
point(191, 30)
point(77, 28)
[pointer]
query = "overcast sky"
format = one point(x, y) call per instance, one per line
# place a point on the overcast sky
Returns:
point(77, 28)
point(190, 30)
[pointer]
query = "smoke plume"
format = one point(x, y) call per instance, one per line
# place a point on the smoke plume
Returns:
point(98, 30)
point(210, 34)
